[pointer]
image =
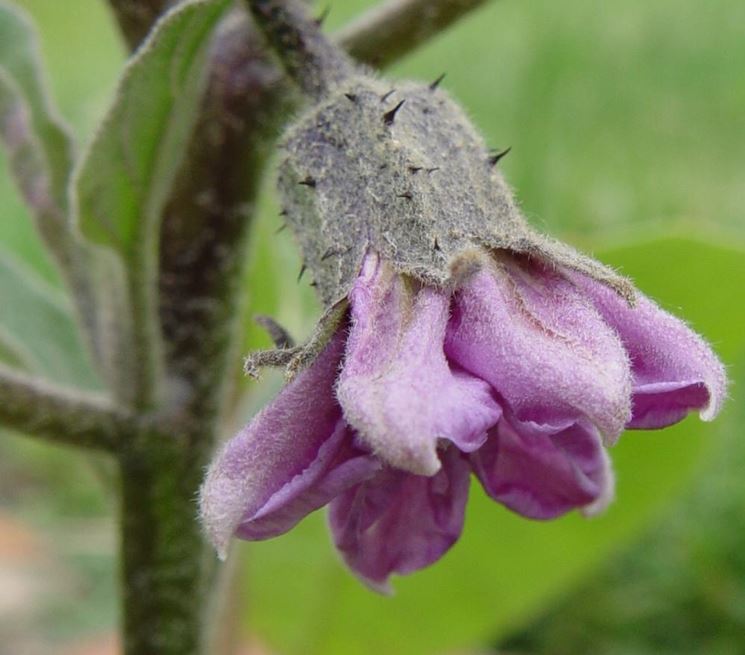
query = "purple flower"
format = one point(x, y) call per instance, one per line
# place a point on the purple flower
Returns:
point(520, 373)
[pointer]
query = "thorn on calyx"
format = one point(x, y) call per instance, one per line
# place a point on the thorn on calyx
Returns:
point(494, 159)
point(415, 169)
point(303, 268)
point(309, 182)
point(351, 97)
point(437, 245)
point(283, 212)
point(390, 116)
point(333, 252)
point(406, 195)
point(436, 83)
point(432, 170)
point(385, 96)
point(281, 228)
point(323, 16)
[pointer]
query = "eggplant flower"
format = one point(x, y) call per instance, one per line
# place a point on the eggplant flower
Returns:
point(455, 341)
point(520, 375)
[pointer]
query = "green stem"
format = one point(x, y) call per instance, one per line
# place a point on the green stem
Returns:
point(144, 367)
point(309, 58)
point(59, 415)
point(392, 29)
point(168, 569)
point(169, 582)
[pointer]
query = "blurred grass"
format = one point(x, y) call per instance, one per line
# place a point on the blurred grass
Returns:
point(627, 120)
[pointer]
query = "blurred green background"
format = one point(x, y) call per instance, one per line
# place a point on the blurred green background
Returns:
point(627, 123)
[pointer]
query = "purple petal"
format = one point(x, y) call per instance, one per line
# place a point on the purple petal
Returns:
point(543, 471)
point(396, 386)
point(674, 369)
point(398, 522)
point(338, 466)
point(532, 335)
point(283, 441)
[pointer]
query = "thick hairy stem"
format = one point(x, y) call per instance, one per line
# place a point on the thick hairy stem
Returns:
point(168, 569)
point(143, 382)
point(58, 415)
point(136, 17)
point(309, 58)
point(396, 27)
point(169, 580)
point(203, 237)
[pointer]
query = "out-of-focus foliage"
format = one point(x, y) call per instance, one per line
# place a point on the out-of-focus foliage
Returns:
point(627, 126)
point(23, 91)
point(38, 328)
point(126, 175)
point(83, 56)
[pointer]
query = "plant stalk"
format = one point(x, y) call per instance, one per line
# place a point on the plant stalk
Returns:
point(392, 29)
point(168, 568)
point(171, 588)
point(60, 415)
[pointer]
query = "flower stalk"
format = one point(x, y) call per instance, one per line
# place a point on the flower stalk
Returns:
point(308, 57)
point(392, 29)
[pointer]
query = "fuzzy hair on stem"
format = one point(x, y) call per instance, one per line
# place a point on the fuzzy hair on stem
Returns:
point(392, 29)
point(59, 415)
point(313, 62)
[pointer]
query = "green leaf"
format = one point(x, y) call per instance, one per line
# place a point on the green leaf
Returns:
point(40, 158)
point(505, 568)
point(23, 90)
point(127, 172)
point(11, 353)
point(37, 331)
point(85, 270)
point(26, 157)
